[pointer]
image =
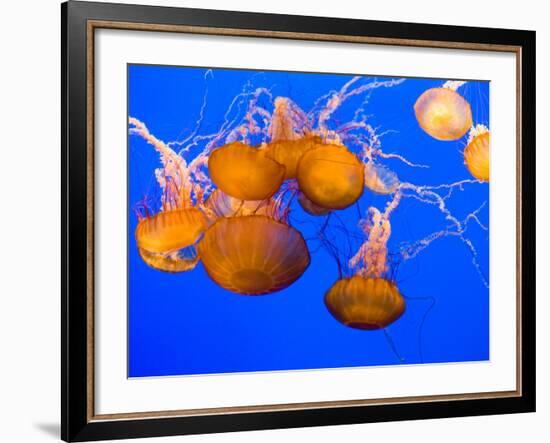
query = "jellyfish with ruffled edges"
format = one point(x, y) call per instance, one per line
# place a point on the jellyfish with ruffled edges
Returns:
point(166, 240)
point(368, 299)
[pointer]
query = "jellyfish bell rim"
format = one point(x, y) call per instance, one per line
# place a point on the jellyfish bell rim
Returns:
point(219, 204)
point(273, 286)
point(159, 262)
point(360, 324)
point(277, 173)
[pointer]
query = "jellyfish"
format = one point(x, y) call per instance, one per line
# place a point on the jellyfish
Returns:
point(182, 260)
point(365, 303)
point(166, 240)
point(331, 176)
point(379, 179)
point(443, 113)
point(170, 231)
point(245, 173)
point(253, 255)
point(476, 153)
point(368, 299)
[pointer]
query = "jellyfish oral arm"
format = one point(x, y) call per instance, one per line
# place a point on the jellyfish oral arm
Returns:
point(453, 84)
point(371, 259)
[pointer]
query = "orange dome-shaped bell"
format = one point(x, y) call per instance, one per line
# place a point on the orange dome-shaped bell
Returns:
point(331, 176)
point(253, 255)
point(182, 260)
point(365, 303)
point(476, 156)
point(170, 231)
point(443, 113)
point(244, 172)
point(289, 152)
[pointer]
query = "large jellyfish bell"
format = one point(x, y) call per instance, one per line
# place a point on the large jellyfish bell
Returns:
point(244, 172)
point(253, 255)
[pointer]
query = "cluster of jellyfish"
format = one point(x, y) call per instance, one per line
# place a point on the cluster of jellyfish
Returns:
point(229, 207)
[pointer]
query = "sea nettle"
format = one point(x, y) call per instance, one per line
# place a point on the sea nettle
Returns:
point(253, 255)
point(365, 303)
point(331, 176)
point(443, 113)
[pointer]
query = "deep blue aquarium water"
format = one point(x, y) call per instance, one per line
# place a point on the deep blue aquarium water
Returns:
point(184, 323)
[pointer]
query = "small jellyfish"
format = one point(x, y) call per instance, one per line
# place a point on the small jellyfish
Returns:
point(310, 207)
point(182, 260)
point(170, 231)
point(245, 173)
point(365, 303)
point(253, 255)
point(379, 179)
point(476, 153)
point(443, 113)
point(331, 176)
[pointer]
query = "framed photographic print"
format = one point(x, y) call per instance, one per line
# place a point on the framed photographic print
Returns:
point(277, 221)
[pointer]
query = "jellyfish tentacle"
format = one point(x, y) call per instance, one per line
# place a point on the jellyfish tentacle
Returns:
point(392, 344)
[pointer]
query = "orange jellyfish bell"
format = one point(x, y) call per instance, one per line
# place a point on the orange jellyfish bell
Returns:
point(310, 207)
point(182, 260)
point(365, 303)
point(379, 179)
point(170, 231)
point(244, 172)
point(331, 176)
point(476, 154)
point(289, 152)
point(443, 113)
point(253, 255)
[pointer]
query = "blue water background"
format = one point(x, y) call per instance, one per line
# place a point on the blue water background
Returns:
point(185, 324)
